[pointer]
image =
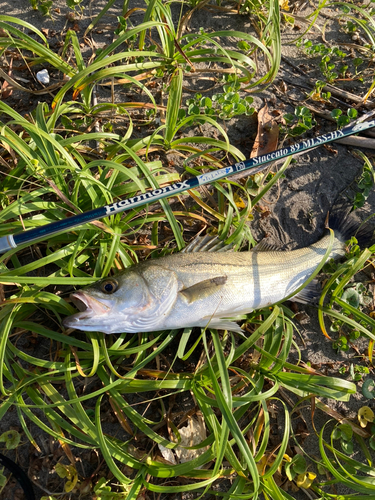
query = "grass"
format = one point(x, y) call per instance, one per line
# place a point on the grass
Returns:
point(122, 396)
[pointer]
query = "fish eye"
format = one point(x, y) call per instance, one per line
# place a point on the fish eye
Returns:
point(109, 286)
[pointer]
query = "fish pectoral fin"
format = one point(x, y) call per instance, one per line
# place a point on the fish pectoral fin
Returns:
point(203, 289)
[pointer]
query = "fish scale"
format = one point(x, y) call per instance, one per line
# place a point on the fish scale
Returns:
point(254, 280)
point(200, 288)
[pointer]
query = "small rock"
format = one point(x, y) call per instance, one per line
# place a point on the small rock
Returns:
point(43, 77)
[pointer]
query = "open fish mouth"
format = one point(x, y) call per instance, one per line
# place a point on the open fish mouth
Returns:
point(88, 306)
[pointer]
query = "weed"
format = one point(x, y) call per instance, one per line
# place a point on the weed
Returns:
point(329, 66)
point(356, 372)
point(44, 6)
point(224, 105)
point(365, 184)
point(74, 4)
point(317, 94)
point(343, 120)
point(295, 466)
point(344, 433)
point(73, 386)
point(300, 122)
point(368, 388)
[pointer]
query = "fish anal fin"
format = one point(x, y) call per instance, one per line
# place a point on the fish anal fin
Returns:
point(310, 294)
point(203, 289)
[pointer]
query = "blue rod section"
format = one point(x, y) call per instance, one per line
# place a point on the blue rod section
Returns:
point(12, 241)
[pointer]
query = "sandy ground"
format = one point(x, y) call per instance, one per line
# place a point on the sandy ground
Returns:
point(299, 204)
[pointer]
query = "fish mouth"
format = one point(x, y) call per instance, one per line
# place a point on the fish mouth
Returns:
point(88, 306)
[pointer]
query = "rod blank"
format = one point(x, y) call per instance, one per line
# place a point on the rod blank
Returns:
point(9, 242)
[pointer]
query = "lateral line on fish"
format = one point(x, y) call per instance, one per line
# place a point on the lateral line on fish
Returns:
point(184, 290)
point(11, 241)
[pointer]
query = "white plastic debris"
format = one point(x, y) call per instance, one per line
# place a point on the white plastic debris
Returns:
point(43, 77)
point(191, 435)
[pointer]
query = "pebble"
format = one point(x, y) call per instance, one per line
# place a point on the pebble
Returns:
point(43, 77)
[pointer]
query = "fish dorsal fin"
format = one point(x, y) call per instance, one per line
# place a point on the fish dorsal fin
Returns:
point(203, 289)
point(207, 244)
point(264, 246)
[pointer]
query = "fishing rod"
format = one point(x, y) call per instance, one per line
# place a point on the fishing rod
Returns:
point(27, 237)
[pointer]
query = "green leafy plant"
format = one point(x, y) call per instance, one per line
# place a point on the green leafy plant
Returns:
point(223, 105)
point(44, 6)
point(343, 120)
point(300, 122)
point(330, 57)
point(368, 388)
point(352, 322)
point(317, 94)
point(11, 439)
point(365, 183)
point(235, 385)
point(74, 4)
point(295, 466)
point(344, 433)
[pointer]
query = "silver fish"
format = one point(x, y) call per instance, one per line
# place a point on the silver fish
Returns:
point(198, 287)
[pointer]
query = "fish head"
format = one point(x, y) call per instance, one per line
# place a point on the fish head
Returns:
point(131, 302)
point(110, 304)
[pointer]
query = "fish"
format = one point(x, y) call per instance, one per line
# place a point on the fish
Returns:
point(205, 285)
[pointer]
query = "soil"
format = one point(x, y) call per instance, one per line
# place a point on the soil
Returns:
point(296, 208)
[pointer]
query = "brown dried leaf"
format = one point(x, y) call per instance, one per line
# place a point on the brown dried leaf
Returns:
point(333, 413)
point(6, 90)
point(62, 196)
point(101, 226)
point(267, 136)
point(121, 417)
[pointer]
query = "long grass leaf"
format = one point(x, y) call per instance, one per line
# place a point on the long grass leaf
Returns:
point(234, 429)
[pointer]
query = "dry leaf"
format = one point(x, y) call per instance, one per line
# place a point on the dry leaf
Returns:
point(6, 88)
point(267, 136)
point(365, 415)
point(239, 201)
point(62, 196)
point(305, 480)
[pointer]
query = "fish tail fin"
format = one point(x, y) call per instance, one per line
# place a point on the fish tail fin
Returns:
point(346, 224)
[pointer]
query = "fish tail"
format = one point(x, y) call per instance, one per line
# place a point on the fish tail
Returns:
point(346, 224)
